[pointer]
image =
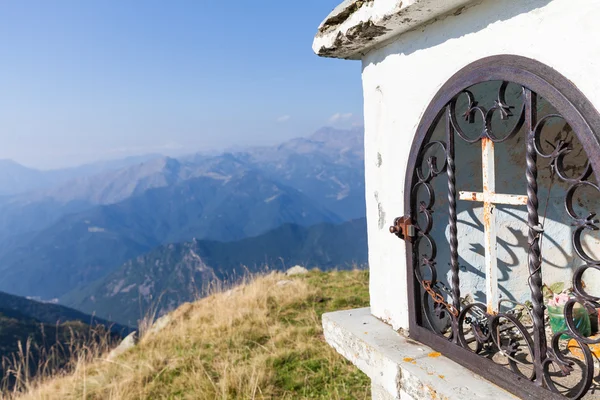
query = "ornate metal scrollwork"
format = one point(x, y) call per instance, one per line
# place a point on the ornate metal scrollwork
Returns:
point(528, 351)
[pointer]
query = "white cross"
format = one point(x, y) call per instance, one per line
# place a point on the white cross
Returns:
point(489, 197)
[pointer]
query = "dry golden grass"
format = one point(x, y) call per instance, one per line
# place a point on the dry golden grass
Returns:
point(75, 344)
point(262, 339)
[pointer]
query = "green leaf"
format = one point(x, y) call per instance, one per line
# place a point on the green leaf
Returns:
point(557, 287)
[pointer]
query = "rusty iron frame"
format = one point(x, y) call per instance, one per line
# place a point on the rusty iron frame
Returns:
point(536, 79)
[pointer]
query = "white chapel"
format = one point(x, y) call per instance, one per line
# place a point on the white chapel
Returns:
point(482, 161)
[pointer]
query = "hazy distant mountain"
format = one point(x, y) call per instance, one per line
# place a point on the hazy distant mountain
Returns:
point(34, 211)
point(85, 246)
point(327, 167)
point(44, 196)
point(16, 178)
point(172, 274)
point(117, 185)
point(99, 167)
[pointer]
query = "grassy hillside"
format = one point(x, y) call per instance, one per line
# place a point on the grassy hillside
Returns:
point(260, 340)
point(30, 348)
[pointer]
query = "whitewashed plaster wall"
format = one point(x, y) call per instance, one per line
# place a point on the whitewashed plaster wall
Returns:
point(401, 77)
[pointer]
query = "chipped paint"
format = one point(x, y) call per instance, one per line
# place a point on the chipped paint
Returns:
point(513, 199)
point(489, 197)
point(341, 14)
point(489, 222)
point(356, 25)
point(489, 226)
point(432, 393)
point(380, 211)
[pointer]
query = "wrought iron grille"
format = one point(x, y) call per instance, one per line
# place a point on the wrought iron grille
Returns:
point(506, 340)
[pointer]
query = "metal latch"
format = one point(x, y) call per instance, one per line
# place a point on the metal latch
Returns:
point(403, 228)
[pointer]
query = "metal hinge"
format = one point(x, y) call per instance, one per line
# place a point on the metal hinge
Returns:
point(403, 228)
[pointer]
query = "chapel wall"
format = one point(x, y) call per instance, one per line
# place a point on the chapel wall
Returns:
point(401, 78)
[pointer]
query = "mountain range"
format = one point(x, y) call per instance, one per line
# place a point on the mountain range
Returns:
point(16, 178)
point(81, 225)
point(169, 275)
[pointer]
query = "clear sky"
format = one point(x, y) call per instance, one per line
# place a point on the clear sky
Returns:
point(95, 79)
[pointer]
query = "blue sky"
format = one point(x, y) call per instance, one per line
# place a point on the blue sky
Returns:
point(88, 80)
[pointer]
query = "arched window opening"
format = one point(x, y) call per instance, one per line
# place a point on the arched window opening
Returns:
point(502, 198)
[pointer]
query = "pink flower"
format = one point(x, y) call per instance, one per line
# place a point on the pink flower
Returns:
point(558, 300)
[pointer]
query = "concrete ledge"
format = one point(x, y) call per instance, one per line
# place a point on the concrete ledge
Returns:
point(401, 367)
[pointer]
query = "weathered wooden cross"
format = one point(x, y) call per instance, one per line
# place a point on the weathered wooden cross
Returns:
point(489, 197)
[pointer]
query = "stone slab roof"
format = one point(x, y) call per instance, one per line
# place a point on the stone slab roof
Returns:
point(355, 26)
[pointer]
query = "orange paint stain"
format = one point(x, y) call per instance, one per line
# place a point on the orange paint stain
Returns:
point(575, 350)
point(409, 360)
point(434, 354)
